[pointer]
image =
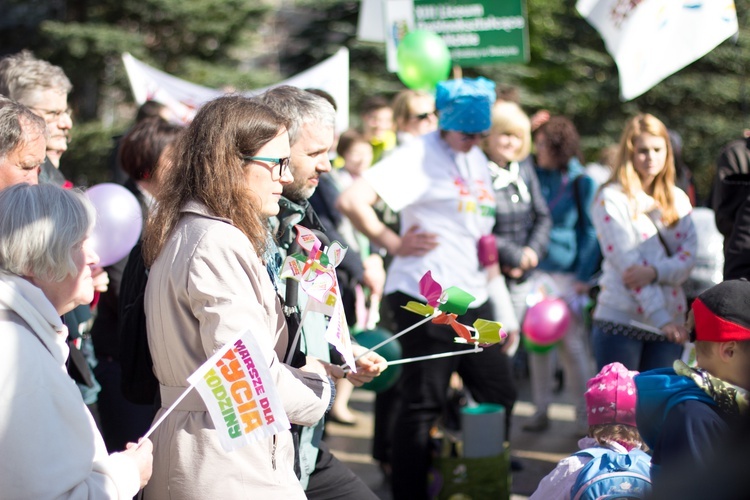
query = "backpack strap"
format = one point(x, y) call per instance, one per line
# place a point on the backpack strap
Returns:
point(595, 452)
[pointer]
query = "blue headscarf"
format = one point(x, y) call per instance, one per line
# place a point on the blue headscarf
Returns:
point(465, 104)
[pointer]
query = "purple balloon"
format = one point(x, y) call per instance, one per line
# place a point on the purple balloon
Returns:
point(119, 221)
point(546, 321)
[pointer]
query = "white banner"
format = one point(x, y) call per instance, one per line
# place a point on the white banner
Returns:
point(184, 98)
point(652, 39)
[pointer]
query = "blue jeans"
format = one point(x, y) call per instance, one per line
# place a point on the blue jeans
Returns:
point(640, 355)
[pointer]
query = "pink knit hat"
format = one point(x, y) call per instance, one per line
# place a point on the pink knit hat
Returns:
point(610, 397)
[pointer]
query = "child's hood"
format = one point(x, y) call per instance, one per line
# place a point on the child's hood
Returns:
point(658, 392)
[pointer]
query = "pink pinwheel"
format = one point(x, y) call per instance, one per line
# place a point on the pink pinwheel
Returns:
point(446, 305)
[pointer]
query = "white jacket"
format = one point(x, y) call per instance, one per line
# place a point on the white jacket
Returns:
point(628, 236)
point(50, 445)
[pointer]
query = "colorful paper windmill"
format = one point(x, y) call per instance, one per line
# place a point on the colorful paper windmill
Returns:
point(446, 305)
point(316, 273)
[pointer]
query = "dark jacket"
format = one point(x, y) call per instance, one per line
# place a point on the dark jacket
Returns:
point(731, 204)
point(105, 327)
point(520, 223)
point(679, 422)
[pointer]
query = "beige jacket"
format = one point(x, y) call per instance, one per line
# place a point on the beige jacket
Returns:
point(207, 286)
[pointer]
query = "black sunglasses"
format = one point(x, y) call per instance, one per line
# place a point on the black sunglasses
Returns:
point(472, 137)
point(283, 163)
point(424, 116)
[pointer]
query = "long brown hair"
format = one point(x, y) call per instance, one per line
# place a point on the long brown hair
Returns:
point(208, 168)
point(626, 175)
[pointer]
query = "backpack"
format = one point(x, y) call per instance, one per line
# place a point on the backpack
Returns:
point(613, 475)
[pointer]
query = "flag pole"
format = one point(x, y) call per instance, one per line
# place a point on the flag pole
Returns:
point(293, 345)
point(166, 413)
point(433, 356)
point(391, 339)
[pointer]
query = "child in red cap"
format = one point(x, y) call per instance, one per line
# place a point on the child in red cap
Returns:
point(610, 408)
point(684, 413)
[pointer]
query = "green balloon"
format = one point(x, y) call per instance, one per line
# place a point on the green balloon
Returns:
point(532, 346)
point(423, 60)
point(390, 351)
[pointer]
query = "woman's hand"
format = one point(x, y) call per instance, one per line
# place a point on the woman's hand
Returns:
point(637, 276)
point(142, 453)
point(675, 333)
point(416, 243)
point(100, 278)
point(529, 259)
point(323, 368)
point(512, 272)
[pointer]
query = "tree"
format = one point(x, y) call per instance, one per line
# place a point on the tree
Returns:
point(204, 41)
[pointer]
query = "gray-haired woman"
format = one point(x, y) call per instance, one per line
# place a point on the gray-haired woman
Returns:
point(51, 445)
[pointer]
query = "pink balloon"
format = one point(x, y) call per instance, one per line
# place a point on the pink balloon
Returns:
point(119, 221)
point(547, 321)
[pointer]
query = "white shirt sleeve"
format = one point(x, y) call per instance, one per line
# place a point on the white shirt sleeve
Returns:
point(400, 179)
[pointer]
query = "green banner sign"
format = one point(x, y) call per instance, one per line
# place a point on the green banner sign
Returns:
point(477, 31)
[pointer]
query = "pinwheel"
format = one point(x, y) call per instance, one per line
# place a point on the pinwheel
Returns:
point(444, 306)
point(316, 273)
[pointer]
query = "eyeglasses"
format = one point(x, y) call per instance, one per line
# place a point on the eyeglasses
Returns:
point(51, 115)
point(424, 116)
point(472, 137)
point(283, 163)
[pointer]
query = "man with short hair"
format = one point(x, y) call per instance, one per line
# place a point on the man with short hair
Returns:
point(687, 415)
point(43, 88)
point(311, 134)
point(22, 144)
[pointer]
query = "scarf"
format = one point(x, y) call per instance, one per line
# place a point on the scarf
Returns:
point(732, 400)
point(504, 177)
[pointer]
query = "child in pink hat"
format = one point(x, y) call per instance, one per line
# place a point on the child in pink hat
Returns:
point(610, 409)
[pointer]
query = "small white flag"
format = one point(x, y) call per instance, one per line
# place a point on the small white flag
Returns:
point(238, 390)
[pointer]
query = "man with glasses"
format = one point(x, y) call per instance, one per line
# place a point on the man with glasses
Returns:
point(311, 134)
point(44, 89)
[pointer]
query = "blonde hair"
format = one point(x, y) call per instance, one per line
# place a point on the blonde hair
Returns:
point(509, 118)
point(626, 435)
point(626, 175)
point(402, 110)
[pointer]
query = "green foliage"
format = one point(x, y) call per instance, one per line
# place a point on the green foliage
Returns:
point(241, 44)
point(87, 161)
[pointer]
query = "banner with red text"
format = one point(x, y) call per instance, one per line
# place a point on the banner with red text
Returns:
point(236, 385)
point(652, 39)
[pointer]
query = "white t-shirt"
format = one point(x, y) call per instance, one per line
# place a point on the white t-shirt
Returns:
point(446, 193)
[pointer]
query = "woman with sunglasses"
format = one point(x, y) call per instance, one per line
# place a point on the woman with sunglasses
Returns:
point(208, 282)
point(441, 186)
point(413, 114)
point(522, 220)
